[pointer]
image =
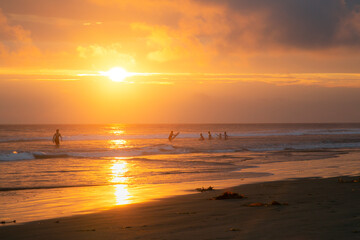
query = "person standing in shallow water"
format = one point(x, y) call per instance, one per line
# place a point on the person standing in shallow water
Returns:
point(201, 137)
point(56, 138)
point(209, 135)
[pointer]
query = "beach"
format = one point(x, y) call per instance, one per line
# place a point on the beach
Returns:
point(130, 182)
point(195, 119)
point(312, 208)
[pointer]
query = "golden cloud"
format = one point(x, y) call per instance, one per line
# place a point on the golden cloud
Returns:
point(16, 46)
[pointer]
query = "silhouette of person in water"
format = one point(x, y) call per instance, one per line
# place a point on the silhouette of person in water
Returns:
point(201, 137)
point(210, 137)
point(56, 138)
point(225, 136)
point(219, 136)
point(172, 136)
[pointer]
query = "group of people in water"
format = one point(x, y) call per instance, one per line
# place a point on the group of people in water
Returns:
point(220, 136)
point(210, 137)
point(57, 136)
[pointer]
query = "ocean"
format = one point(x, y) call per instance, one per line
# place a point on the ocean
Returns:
point(97, 167)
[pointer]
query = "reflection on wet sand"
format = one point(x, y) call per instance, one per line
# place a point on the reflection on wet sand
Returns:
point(122, 195)
point(119, 168)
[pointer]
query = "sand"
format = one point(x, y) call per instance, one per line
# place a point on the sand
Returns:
point(316, 209)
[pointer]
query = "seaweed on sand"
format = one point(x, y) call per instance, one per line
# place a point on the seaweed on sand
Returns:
point(341, 180)
point(202, 189)
point(260, 204)
point(5, 222)
point(229, 195)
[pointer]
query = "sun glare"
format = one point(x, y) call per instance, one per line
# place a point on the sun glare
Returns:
point(116, 74)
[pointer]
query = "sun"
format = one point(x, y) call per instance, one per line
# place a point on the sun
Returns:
point(116, 74)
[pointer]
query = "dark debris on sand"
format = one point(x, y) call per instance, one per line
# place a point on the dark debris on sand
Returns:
point(234, 229)
point(341, 180)
point(5, 222)
point(229, 195)
point(210, 188)
point(259, 204)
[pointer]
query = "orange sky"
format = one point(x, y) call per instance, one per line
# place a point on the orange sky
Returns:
point(201, 61)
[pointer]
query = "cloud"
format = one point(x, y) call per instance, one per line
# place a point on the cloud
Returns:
point(10, 33)
point(259, 35)
point(189, 41)
point(109, 56)
point(165, 44)
point(192, 35)
point(297, 24)
point(307, 79)
point(241, 24)
point(16, 46)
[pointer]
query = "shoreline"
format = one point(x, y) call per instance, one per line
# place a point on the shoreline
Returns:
point(67, 202)
point(318, 208)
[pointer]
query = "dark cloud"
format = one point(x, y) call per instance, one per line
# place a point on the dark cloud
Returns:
point(97, 10)
point(304, 24)
point(301, 24)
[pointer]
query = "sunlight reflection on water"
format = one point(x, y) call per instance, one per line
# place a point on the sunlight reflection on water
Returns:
point(118, 143)
point(119, 168)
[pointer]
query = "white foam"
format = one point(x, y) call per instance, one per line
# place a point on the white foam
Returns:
point(16, 156)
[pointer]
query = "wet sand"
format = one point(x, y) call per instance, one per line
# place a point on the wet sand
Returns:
point(314, 209)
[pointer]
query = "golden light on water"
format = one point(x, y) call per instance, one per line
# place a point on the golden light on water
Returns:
point(118, 143)
point(116, 129)
point(118, 170)
point(118, 132)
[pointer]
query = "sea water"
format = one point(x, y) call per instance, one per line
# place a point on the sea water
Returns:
point(97, 167)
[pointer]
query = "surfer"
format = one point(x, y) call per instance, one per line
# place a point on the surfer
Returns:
point(56, 138)
point(225, 136)
point(209, 134)
point(172, 136)
point(201, 137)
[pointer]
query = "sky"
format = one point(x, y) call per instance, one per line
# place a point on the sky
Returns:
point(188, 61)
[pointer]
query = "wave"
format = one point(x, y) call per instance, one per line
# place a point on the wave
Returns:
point(16, 156)
point(92, 138)
point(34, 139)
point(160, 149)
point(299, 133)
point(5, 189)
point(268, 133)
point(308, 147)
point(150, 150)
point(30, 155)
